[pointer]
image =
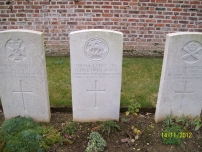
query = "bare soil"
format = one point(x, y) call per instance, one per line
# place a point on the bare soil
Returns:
point(149, 140)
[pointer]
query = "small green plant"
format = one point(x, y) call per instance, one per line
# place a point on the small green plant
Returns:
point(124, 120)
point(170, 135)
point(23, 134)
point(133, 108)
point(184, 121)
point(169, 120)
point(196, 122)
point(110, 126)
point(96, 143)
point(69, 128)
point(50, 136)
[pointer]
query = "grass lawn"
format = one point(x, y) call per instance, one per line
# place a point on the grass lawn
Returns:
point(140, 81)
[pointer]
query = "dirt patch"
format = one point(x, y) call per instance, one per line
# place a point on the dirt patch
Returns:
point(149, 139)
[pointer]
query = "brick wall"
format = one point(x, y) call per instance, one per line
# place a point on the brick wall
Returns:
point(144, 23)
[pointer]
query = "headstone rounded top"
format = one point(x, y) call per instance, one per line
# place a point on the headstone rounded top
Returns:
point(183, 33)
point(96, 30)
point(21, 30)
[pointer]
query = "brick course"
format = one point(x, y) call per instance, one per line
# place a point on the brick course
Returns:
point(144, 23)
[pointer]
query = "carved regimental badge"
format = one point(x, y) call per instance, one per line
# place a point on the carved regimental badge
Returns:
point(192, 52)
point(15, 50)
point(96, 49)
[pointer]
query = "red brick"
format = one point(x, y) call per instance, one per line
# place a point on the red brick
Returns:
point(177, 9)
point(115, 3)
point(167, 21)
point(159, 25)
point(191, 26)
point(80, 3)
point(97, 11)
point(89, 6)
point(161, 1)
point(3, 7)
point(144, 0)
point(18, 7)
point(194, 2)
point(133, 3)
point(12, 19)
point(123, 7)
point(169, 5)
point(151, 20)
point(97, 19)
point(45, 3)
point(107, 15)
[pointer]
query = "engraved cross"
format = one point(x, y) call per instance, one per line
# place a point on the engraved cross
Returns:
point(22, 92)
point(183, 92)
point(96, 91)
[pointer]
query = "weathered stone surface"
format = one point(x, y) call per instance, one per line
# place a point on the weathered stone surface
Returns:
point(180, 89)
point(24, 89)
point(96, 69)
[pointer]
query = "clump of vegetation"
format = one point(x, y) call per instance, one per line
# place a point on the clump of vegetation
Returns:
point(171, 135)
point(124, 120)
point(187, 122)
point(133, 108)
point(23, 134)
point(68, 131)
point(180, 128)
point(50, 136)
point(96, 143)
point(110, 126)
point(69, 128)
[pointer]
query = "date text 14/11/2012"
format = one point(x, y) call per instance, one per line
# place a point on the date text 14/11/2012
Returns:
point(177, 135)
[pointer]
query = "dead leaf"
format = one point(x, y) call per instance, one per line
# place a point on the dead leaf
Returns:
point(95, 128)
point(66, 135)
point(127, 113)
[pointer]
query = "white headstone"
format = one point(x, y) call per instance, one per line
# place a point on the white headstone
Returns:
point(180, 89)
point(96, 69)
point(24, 89)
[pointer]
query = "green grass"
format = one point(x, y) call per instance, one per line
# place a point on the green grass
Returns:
point(140, 81)
point(59, 81)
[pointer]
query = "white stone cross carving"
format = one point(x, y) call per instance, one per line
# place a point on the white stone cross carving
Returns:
point(96, 91)
point(22, 92)
point(183, 92)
